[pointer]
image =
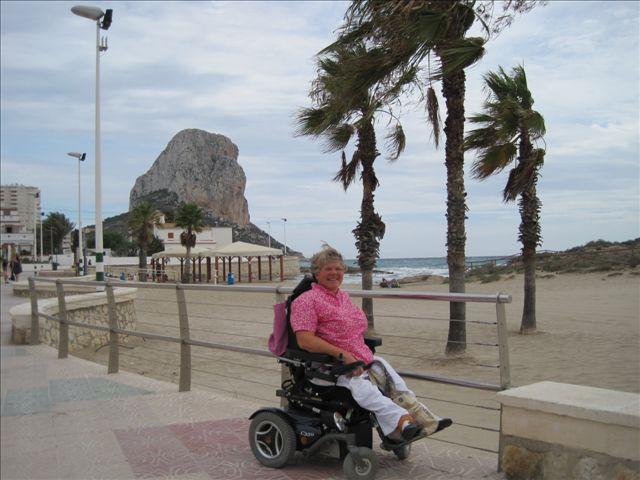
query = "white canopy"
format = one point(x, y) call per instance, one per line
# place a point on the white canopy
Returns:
point(196, 252)
point(243, 249)
point(235, 249)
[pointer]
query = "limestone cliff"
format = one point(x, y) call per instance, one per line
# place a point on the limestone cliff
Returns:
point(202, 168)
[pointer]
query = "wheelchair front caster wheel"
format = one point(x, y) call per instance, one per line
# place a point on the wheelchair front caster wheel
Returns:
point(272, 440)
point(403, 452)
point(364, 469)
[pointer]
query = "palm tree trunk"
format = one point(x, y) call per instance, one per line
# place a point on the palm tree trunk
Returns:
point(529, 206)
point(529, 234)
point(453, 89)
point(370, 229)
point(142, 264)
point(187, 265)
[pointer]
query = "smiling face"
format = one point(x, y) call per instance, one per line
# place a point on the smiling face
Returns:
point(330, 276)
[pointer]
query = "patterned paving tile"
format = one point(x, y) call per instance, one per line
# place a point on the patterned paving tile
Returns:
point(130, 413)
point(104, 389)
point(26, 402)
point(95, 448)
point(70, 390)
point(27, 427)
point(156, 452)
point(10, 351)
point(79, 422)
point(79, 389)
point(29, 466)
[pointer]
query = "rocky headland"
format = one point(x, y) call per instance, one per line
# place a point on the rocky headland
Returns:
point(202, 168)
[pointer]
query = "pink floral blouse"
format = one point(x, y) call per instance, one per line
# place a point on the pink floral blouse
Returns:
point(332, 317)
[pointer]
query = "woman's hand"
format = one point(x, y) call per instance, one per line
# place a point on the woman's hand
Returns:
point(347, 358)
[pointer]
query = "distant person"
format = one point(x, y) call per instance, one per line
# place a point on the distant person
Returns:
point(384, 283)
point(394, 283)
point(5, 270)
point(16, 268)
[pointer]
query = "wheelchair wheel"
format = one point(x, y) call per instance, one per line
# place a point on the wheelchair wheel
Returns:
point(403, 452)
point(367, 468)
point(272, 440)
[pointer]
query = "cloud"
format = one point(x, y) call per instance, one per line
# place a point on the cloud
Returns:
point(242, 69)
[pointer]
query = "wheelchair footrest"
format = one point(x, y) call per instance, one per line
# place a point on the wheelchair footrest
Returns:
point(390, 445)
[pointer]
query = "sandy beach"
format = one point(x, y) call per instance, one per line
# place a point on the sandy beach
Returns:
point(588, 333)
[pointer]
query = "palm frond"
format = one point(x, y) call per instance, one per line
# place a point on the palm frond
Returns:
point(481, 138)
point(433, 115)
point(499, 84)
point(520, 178)
point(460, 54)
point(349, 171)
point(396, 142)
point(493, 160)
point(519, 78)
point(535, 124)
point(310, 121)
point(337, 138)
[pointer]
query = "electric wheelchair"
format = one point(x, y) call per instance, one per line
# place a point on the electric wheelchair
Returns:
point(318, 412)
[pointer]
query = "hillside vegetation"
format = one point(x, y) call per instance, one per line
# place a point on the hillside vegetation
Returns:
point(595, 256)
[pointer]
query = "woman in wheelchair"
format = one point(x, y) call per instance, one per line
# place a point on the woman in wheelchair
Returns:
point(324, 351)
point(326, 321)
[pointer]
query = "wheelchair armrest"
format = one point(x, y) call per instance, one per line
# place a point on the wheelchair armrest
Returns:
point(372, 342)
point(309, 356)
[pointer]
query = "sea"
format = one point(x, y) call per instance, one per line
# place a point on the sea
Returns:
point(397, 268)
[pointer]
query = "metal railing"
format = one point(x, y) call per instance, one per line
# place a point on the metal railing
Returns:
point(186, 327)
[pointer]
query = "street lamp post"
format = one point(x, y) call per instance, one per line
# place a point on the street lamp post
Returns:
point(95, 14)
point(79, 249)
point(269, 226)
point(284, 227)
point(41, 250)
point(35, 228)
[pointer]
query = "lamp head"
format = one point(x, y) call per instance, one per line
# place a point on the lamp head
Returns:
point(92, 13)
point(106, 20)
point(79, 156)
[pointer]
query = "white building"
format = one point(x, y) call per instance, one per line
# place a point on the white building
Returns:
point(209, 238)
point(19, 214)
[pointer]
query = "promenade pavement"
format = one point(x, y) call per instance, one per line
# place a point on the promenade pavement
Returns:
point(69, 419)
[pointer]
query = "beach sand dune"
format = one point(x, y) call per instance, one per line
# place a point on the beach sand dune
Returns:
point(588, 333)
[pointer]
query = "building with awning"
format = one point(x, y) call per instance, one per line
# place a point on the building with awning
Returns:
point(238, 253)
point(248, 252)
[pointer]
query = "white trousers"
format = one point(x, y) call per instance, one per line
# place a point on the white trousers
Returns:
point(371, 398)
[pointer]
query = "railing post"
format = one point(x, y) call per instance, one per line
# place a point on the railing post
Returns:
point(114, 352)
point(503, 345)
point(185, 348)
point(63, 330)
point(284, 371)
point(35, 323)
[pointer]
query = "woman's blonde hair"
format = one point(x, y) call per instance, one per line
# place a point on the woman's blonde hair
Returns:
point(328, 254)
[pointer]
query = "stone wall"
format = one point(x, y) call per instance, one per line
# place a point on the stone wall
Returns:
point(555, 431)
point(49, 290)
point(89, 308)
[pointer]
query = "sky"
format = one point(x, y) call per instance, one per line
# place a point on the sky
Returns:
point(243, 69)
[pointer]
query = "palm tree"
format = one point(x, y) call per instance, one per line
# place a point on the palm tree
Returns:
point(341, 111)
point(509, 127)
point(141, 221)
point(57, 226)
point(190, 217)
point(408, 33)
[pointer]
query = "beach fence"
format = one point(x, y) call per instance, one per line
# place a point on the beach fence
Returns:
point(214, 337)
